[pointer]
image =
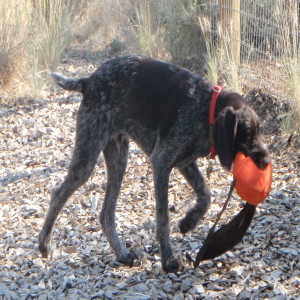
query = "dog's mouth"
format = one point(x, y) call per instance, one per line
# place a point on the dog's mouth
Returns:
point(261, 159)
point(259, 154)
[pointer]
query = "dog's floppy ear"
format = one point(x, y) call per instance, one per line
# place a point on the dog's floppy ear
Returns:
point(224, 132)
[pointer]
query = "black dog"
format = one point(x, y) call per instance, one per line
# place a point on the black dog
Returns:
point(165, 110)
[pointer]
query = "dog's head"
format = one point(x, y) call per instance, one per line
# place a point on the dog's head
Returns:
point(236, 129)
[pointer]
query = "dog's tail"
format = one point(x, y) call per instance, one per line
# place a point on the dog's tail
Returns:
point(70, 84)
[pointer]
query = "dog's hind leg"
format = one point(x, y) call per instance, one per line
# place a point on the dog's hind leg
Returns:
point(90, 140)
point(115, 154)
point(194, 177)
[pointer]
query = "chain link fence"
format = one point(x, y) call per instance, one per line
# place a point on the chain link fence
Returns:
point(263, 39)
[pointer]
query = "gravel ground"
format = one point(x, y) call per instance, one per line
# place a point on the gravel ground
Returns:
point(36, 140)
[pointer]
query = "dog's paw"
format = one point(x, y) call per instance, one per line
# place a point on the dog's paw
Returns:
point(43, 247)
point(128, 258)
point(192, 218)
point(171, 266)
point(187, 224)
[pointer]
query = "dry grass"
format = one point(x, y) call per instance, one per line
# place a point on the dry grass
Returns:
point(94, 16)
point(220, 65)
point(230, 68)
point(14, 28)
point(51, 35)
point(211, 56)
point(52, 31)
point(33, 34)
point(147, 30)
point(183, 36)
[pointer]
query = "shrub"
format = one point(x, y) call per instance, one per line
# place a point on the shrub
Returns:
point(13, 38)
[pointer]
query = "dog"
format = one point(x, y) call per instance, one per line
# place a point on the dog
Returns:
point(164, 109)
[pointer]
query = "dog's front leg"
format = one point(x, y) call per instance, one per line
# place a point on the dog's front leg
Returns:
point(161, 173)
point(194, 177)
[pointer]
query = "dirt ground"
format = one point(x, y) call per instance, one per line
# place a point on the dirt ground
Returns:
point(36, 141)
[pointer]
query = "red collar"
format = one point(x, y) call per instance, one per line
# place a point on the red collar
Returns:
point(216, 91)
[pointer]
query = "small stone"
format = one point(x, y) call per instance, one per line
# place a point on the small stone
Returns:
point(109, 281)
point(244, 294)
point(167, 286)
point(139, 161)
point(70, 249)
point(163, 295)
point(38, 262)
point(136, 296)
point(178, 297)
point(289, 251)
point(153, 293)
point(199, 289)
point(121, 285)
point(186, 285)
point(98, 295)
point(108, 294)
point(141, 288)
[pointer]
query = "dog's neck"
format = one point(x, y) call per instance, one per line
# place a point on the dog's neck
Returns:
point(226, 99)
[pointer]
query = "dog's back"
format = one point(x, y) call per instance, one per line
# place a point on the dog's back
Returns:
point(145, 98)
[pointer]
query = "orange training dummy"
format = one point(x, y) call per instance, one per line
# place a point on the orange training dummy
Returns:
point(252, 184)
